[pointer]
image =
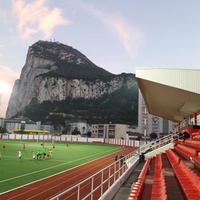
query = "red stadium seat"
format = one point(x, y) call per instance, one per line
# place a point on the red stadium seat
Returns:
point(188, 180)
point(186, 152)
point(173, 158)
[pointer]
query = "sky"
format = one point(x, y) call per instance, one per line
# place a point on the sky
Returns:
point(117, 35)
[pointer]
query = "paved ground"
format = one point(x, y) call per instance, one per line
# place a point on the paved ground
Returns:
point(125, 190)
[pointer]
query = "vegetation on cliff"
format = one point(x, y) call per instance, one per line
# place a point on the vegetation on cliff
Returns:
point(119, 107)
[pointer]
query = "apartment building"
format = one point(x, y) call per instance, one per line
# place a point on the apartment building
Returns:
point(107, 131)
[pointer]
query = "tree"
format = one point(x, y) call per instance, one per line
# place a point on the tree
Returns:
point(67, 129)
point(76, 131)
point(58, 121)
point(89, 134)
point(153, 135)
point(2, 129)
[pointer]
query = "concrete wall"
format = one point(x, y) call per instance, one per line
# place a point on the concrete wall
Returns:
point(159, 150)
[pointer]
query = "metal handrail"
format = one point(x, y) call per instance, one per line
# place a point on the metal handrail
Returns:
point(159, 142)
point(129, 159)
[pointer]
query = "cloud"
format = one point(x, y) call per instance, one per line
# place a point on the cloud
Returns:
point(50, 20)
point(130, 37)
point(8, 76)
point(36, 17)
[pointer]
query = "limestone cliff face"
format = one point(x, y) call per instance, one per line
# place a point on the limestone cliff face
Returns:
point(57, 89)
point(54, 72)
point(24, 88)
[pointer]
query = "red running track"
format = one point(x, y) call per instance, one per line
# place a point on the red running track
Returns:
point(49, 187)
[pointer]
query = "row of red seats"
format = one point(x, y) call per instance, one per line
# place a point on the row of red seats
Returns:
point(173, 158)
point(158, 163)
point(196, 137)
point(196, 161)
point(137, 188)
point(193, 143)
point(196, 133)
point(189, 181)
point(186, 152)
point(159, 191)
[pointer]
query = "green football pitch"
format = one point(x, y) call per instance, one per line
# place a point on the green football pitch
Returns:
point(15, 172)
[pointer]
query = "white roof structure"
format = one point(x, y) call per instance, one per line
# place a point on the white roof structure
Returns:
point(173, 94)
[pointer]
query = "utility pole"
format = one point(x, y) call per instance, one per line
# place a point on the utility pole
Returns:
point(145, 125)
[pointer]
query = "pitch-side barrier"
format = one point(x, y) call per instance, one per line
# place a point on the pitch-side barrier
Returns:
point(111, 178)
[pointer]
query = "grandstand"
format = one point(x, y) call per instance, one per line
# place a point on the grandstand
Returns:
point(172, 168)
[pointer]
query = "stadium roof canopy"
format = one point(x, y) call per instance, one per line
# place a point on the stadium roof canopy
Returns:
point(173, 94)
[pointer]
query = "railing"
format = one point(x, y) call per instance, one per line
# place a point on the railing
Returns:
point(107, 176)
point(159, 143)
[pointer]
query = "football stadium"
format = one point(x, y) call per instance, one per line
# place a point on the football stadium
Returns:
point(87, 168)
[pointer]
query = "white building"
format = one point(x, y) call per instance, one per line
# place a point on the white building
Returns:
point(79, 125)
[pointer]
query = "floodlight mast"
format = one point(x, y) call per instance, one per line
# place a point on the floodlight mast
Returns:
point(145, 125)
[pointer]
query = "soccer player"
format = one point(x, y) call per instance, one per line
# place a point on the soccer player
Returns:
point(4, 146)
point(38, 154)
point(33, 155)
point(44, 153)
point(24, 147)
point(19, 154)
point(51, 153)
point(42, 144)
point(48, 154)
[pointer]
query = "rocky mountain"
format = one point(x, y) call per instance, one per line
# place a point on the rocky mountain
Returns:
point(59, 80)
